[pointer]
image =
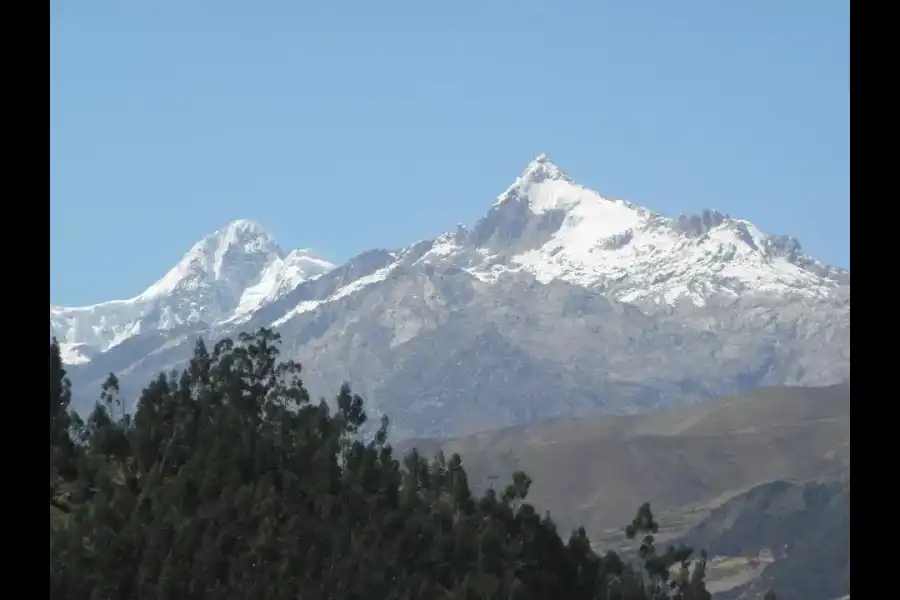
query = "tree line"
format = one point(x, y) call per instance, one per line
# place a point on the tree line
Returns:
point(229, 482)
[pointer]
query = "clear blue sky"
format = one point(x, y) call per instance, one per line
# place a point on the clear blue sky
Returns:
point(344, 126)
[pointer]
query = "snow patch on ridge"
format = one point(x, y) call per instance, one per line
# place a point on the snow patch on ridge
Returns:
point(351, 288)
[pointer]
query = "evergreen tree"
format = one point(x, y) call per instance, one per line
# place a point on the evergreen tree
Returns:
point(62, 423)
point(230, 483)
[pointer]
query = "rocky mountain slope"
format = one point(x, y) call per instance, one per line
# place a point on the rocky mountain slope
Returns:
point(796, 534)
point(557, 302)
point(760, 480)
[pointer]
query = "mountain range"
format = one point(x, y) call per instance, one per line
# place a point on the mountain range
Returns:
point(558, 302)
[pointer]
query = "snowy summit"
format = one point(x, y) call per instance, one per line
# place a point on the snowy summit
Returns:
point(226, 275)
point(548, 225)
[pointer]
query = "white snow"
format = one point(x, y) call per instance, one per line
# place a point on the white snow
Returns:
point(303, 307)
point(72, 354)
point(209, 256)
point(280, 277)
point(540, 170)
point(343, 292)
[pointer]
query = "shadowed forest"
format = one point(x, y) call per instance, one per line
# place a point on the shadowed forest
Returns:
point(229, 482)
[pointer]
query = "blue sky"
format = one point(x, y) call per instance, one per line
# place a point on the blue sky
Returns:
point(348, 125)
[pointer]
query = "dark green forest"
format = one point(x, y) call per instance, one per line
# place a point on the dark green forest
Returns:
point(228, 482)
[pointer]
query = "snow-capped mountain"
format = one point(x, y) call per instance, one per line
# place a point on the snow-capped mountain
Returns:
point(552, 228)
point(556, 291)
point(223, 277)
point(549, 226)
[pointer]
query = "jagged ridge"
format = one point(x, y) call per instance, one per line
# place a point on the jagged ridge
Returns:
point(544, 225)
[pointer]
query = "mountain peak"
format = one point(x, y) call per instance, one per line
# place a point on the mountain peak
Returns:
point(542, 169)
point(555, 229)
point(246, 227)
point(540, 172)
point(242, 236)
point(236, 253)
point(236, 269)
point(241, 232)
